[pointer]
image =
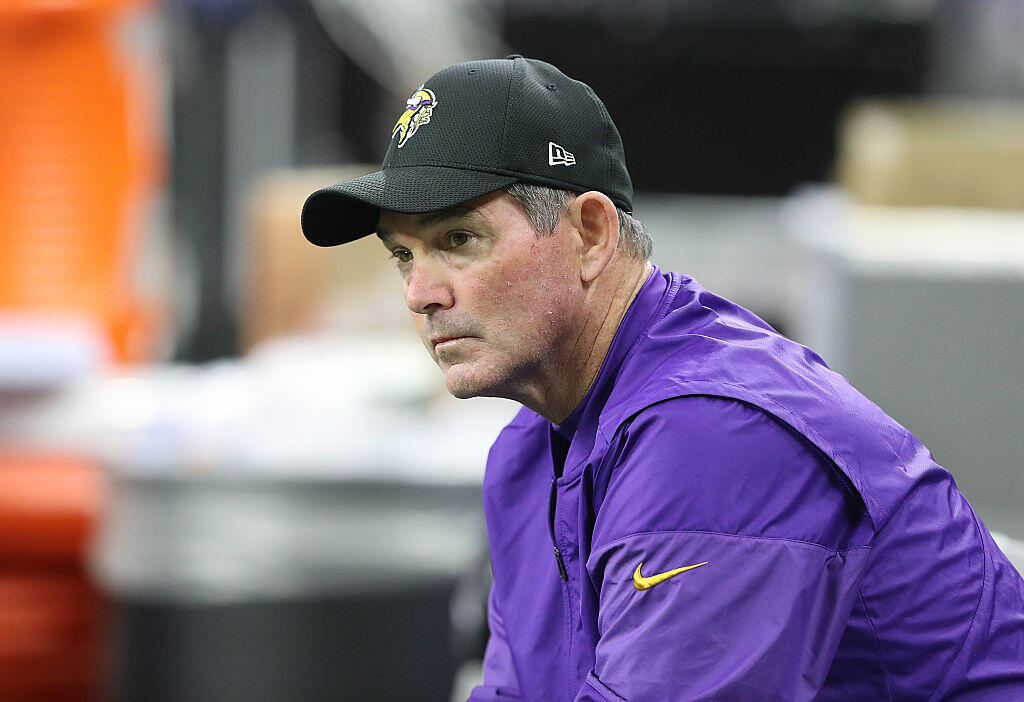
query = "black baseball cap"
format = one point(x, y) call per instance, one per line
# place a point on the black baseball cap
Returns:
point(474, 128)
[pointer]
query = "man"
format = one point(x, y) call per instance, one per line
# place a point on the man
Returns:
point(689, 506)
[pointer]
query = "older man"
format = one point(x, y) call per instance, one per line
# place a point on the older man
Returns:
point(689, 506)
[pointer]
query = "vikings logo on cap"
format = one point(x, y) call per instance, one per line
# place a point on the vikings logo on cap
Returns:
point(417, 112)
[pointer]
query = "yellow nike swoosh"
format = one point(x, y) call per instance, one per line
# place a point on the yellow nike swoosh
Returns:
point(642, 583)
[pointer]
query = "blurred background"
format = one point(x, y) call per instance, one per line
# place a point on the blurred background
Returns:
point(229, 471)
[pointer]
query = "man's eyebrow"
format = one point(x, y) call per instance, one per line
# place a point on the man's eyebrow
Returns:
point(447, 213)
point(428, 218)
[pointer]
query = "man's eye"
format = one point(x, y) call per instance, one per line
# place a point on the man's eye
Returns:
point(402, 255)
point(459, 238)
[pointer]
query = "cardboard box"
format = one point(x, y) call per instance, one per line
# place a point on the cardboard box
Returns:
point(291, 286)
point(933, 153)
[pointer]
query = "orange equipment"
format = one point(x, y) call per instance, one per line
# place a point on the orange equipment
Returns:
point(77, 162)
point(51, 614)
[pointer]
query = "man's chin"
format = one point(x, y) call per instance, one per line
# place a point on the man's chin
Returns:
point(463, 383)
point(458, 387)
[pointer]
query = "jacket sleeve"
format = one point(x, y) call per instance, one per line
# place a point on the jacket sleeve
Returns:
point(769, 547)
point(500, 684)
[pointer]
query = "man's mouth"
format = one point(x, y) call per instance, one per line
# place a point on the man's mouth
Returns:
point(439, 342)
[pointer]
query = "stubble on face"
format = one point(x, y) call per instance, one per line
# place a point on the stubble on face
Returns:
point(518, 324)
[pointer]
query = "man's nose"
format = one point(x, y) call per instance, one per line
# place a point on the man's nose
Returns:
point(428, 289)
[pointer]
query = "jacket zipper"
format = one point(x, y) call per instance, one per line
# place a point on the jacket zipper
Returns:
point(551, 529)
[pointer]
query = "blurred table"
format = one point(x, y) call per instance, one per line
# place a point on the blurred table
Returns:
point(280, 527)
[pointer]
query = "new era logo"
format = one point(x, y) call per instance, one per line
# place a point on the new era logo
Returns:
point(557, 156)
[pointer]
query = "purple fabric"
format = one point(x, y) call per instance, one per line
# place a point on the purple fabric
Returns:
point(841, 562)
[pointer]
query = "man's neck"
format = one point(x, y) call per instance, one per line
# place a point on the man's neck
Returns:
point(580, 369)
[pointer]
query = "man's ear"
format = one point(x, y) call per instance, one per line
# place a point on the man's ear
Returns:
point(593, 215)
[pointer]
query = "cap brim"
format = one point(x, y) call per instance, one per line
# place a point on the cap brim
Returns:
point(348, 211)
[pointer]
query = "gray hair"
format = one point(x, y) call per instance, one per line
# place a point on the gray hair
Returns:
point(544, 206)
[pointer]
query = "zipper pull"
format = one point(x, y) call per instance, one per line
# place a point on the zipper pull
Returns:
point(551, 529)
point(561, 565)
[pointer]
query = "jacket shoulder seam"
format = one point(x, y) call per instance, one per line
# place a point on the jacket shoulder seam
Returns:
point(752, 537)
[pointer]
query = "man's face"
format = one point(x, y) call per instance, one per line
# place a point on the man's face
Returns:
point(497, 305)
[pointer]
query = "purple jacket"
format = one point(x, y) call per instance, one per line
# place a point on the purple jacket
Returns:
point(725, 518)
